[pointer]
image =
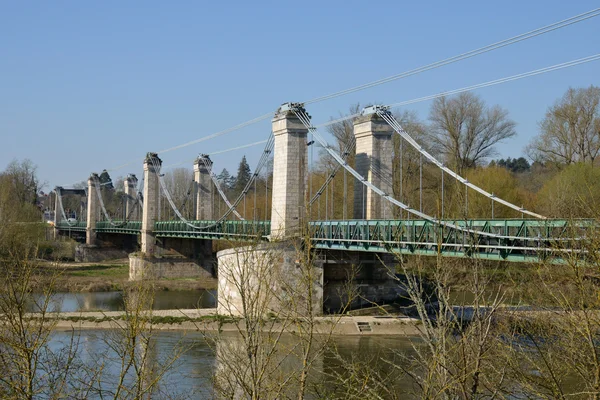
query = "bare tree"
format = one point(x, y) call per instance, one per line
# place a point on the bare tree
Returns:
point(408, 166)
point(343, 131)
point(465, 131)
point(131, 367)
point(179, 184)
point(24, 180)
point(570, 132)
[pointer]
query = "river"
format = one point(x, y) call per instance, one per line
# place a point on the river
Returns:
point(113, 301)
point(191, 376)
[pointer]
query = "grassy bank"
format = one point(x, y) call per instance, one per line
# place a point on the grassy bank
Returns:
point(108, 276)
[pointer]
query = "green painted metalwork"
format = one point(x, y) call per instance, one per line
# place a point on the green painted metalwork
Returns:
point(523, 240)
point(128, 227)
point(231, 230)
point(79, 226)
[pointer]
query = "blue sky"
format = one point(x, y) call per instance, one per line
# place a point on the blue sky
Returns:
point(91, 85)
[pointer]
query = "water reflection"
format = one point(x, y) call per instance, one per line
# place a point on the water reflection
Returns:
point(113, 301)
point(191, 376)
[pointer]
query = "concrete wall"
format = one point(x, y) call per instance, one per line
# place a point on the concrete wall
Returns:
point(268, 278)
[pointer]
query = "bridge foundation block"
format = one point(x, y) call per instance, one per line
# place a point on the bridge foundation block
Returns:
point(107, 247)
point(179, 258)
point(96, 253)
point(269, 278)
point(143, 267)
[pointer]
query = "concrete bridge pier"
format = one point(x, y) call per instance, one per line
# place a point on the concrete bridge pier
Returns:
point(166, 257)
point(276, 277)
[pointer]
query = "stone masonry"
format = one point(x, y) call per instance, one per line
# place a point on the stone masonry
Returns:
point(374, 162)
point(289, 175)
point(92, 209)
point(150, 214)
point(130, 184)
point(204, 188)
point(268, 278)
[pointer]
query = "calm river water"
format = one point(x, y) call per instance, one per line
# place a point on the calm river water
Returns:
point(192, 375)
point(113, 301)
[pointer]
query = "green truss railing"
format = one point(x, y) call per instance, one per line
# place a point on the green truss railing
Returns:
point(129, 227)
point(234, 230)
point(523, 240)
point(79, 226)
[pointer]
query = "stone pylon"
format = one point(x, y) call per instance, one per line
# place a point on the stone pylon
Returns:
point(92, 209)
point(289, 175)
point(130, 184)
point(374, 162)
point(57, 216)
point(203, 187)
point(151, 192)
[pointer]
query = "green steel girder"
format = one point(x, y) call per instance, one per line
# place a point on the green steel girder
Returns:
point(79, 226)
point(232, 230)
point(128, 227)
point(530, 240)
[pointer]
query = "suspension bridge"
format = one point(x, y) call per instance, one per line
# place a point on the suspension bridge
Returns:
point(154, 226)
point(373, 228)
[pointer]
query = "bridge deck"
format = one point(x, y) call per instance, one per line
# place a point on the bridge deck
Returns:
point(497, 239)
point(511, 240)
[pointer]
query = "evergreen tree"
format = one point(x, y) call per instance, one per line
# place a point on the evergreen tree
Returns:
point(515, 165)
point(225, 179)
point(243, 176)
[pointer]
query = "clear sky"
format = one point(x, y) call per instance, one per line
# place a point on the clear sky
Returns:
point(91, 85)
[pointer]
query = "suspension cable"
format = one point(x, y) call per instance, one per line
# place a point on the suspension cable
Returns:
point(232, 206)
point(301, 114)
point(506, 42)
point(389, 118)
point(62, 209)
point(511, 78)
point(472, 53)
point(218, 186)
point(105, 212)
point(350, 146)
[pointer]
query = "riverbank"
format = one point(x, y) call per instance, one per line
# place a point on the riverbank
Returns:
point(206, 320)
point(108, 276)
